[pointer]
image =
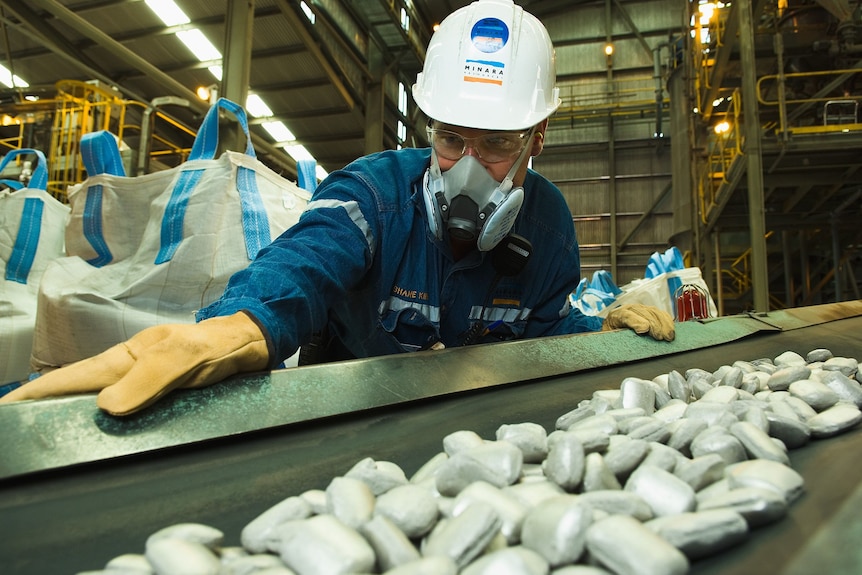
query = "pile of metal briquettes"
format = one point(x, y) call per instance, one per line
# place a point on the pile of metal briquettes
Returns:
point(642, 479)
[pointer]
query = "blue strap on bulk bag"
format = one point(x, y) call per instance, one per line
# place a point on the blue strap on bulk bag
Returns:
point(603, 282)
point(305, 174)
point(594, 295)
point(669, 261)
point(30, 227)
point(100, 155)
point(255, 221)
point(11, 184)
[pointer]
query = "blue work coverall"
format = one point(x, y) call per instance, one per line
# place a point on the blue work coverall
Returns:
point(363, 264)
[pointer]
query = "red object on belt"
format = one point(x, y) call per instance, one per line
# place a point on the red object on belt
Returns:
point(691, 303)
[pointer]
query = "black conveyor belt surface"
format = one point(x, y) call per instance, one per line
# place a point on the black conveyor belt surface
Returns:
point(76, 519)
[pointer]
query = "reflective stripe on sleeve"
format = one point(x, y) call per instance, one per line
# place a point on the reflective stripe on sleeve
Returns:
point(353, 212)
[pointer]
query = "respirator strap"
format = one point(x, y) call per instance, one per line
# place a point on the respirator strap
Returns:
point(433, 194)
point(498, 216)
point(505, 186)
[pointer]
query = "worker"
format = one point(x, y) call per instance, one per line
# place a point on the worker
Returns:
point(407, 250)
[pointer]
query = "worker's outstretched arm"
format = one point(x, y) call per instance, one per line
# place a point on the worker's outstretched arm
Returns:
point(136, 373)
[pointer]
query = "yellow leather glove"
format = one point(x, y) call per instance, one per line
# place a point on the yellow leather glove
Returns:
point(136, 373)
point(642, 319)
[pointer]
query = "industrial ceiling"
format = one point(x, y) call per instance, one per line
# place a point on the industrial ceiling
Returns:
point(330, 81)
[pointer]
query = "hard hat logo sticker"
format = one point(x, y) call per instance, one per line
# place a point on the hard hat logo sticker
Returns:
point(483, 71)
point(489, 35)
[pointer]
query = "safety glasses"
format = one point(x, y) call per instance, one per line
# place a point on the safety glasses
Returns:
point(492, 147)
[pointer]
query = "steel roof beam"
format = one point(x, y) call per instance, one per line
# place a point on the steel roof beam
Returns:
point(49, 35)
point(296, 22)
point(86, 29)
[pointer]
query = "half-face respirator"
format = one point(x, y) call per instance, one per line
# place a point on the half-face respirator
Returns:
point(470, 203)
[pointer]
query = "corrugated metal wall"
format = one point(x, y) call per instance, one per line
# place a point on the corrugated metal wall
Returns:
point(602, 149)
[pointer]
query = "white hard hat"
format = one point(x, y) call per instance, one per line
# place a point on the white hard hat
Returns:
point(489, 65)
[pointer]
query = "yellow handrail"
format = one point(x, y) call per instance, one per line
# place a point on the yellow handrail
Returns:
point(79, 108)
point(723, 150)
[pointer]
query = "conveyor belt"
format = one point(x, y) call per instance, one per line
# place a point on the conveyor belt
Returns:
point(63, 432)
point(75, 516)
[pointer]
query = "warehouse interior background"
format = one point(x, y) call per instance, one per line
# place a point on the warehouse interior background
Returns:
point(730, 130)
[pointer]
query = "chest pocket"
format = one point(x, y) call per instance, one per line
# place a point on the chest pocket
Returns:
point(410, 327)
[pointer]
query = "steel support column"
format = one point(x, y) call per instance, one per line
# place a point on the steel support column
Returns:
point(719, 290)
point(836, 260)
point(681, 164)
point(788, 271)
point(612, 196)
point(754, 162)
point(236, 64)
point(374, 101)
point(805, 266)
